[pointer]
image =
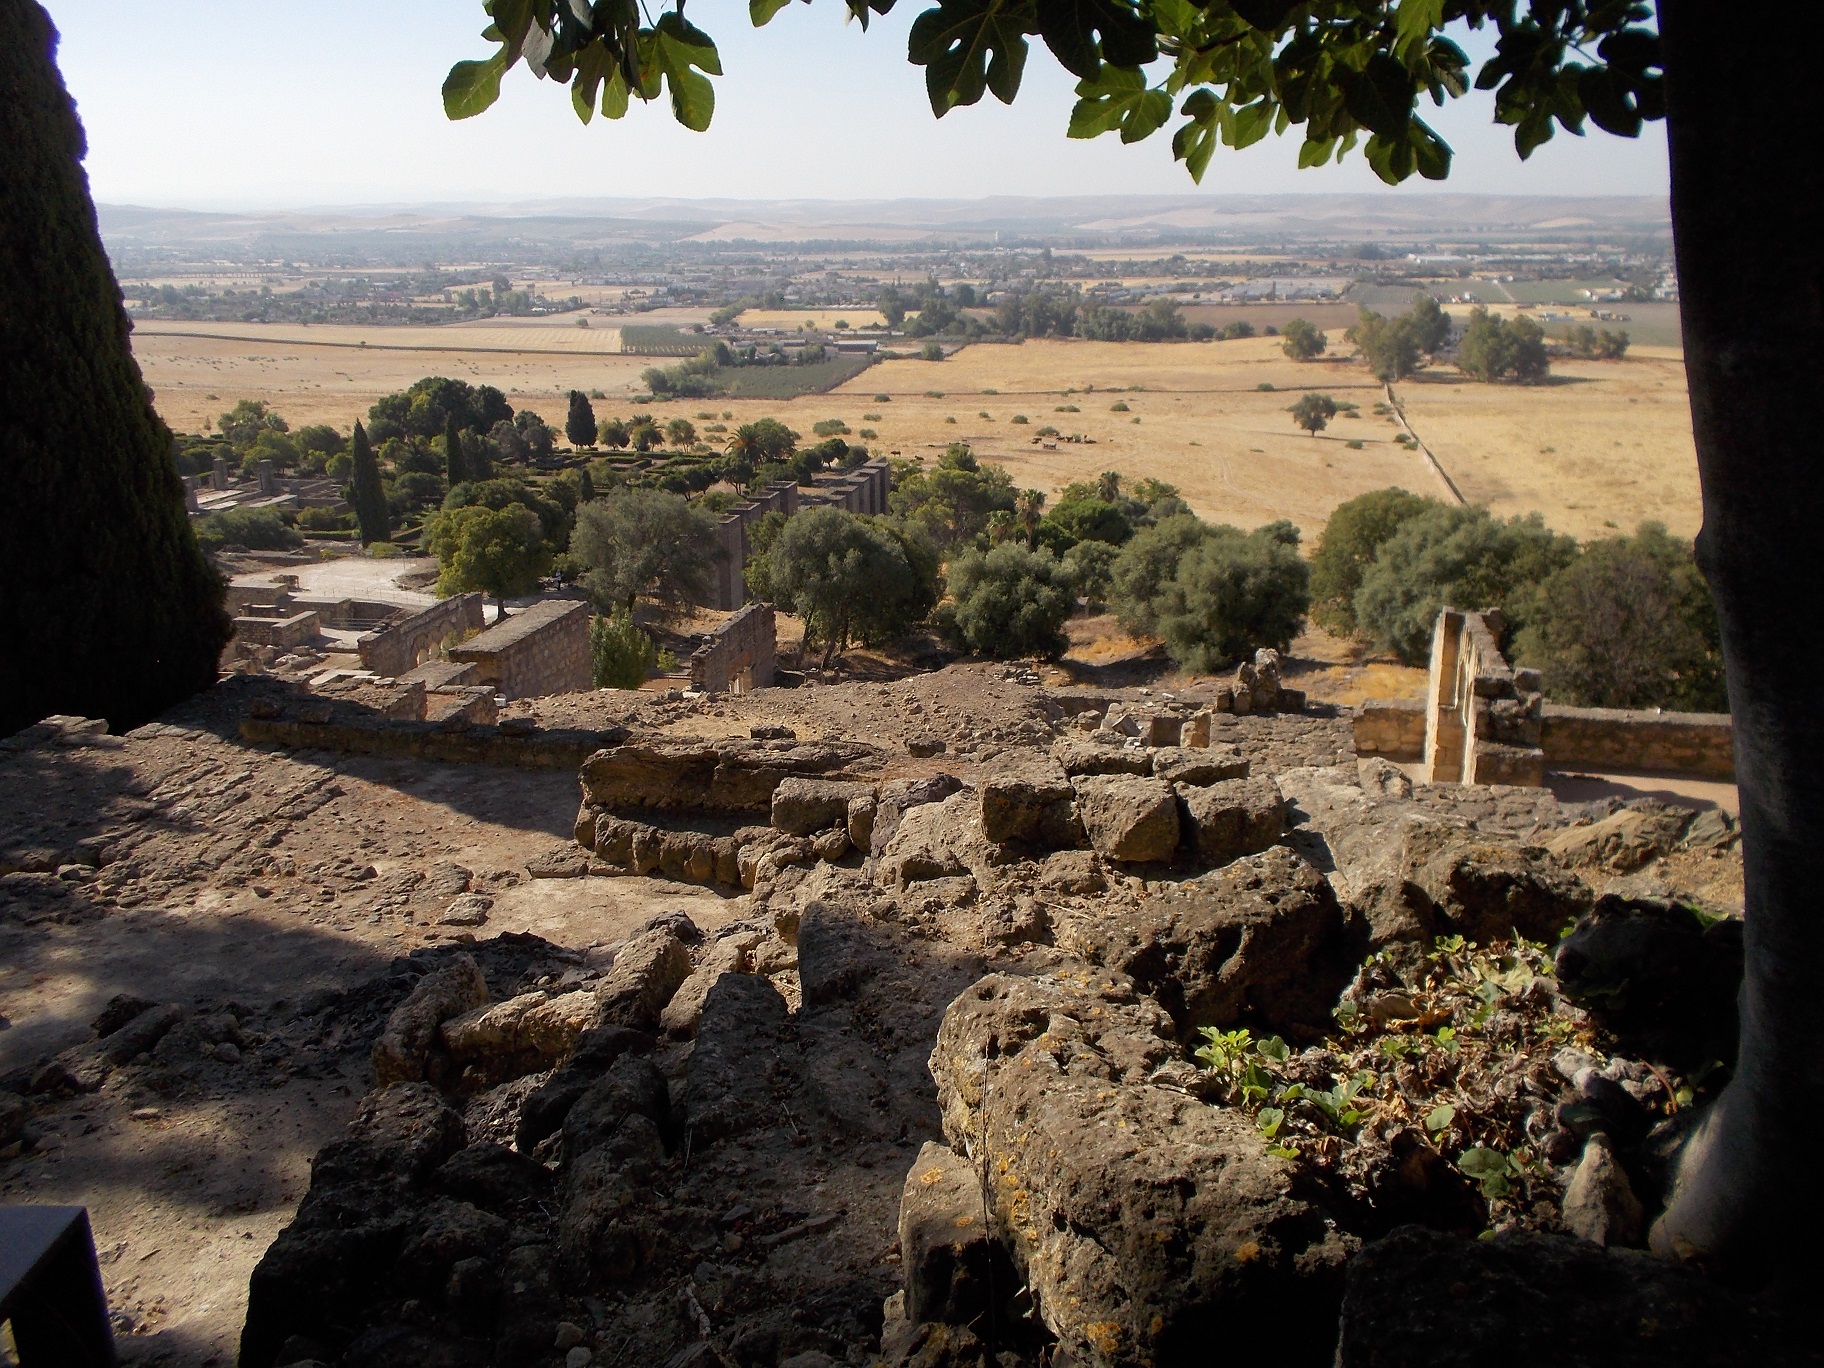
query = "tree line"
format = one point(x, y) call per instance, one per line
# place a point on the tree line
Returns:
point(1618, 622)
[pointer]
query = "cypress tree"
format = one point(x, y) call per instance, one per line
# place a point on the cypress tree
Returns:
point(454, 469)
point(369, 497)
point(579, 423)
point(109, 608)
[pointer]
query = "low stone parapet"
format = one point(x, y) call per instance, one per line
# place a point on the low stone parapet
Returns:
point(453, 741)
point(1390, 727)
point(1621, 739)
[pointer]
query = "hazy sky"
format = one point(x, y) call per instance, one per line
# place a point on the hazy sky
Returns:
point(232, 103)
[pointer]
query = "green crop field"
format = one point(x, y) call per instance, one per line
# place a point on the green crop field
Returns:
point(788, 382)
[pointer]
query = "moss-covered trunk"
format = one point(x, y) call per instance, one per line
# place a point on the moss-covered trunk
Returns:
point(109, 609)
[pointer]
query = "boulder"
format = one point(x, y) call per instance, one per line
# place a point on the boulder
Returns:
point(897, 797)
point(728, 775)
point(1208, 765)
point(1128, 818)
point(956, 1271)
point(632, 1088)
point(1147, 1225)
point(934, 841)
point(647, 970)
point(731, 954)
point(543, 1111)
point(803, 807)
point(729, 1085)
point(859, 820)
point(519, 1036)
point(1262, 940)
point(1422, 1297)
point(1599, 1203)
point(403, 1054)
point(1623, 841)
point(406, 1129)
point(1232, 818)
point(1019, 793)
point(1487, 892)
point(608, 1228)
point(1087, 755)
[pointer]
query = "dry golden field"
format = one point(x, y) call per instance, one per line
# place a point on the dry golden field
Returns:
point(1603, 446)
point(1609, 443)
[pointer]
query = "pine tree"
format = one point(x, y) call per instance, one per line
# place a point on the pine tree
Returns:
point(110, 610)
point(369, 497)
point(579, 426)
point(454, 468)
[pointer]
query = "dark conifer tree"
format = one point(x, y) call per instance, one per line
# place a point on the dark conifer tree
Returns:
point(454, 469)
point(109, 609)
point(369, 496)
point(579, 426)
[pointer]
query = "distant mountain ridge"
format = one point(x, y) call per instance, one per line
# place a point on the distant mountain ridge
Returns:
point(1112, 218)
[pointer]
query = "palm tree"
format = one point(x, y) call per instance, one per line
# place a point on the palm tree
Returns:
point(644, 432)
point(746, 443)
point(1029, 511)
point(1108, 486)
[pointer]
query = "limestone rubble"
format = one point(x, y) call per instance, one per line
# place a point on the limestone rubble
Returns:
point(823, 1050)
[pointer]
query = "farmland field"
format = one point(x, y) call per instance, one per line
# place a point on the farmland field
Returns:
point(1610, 444)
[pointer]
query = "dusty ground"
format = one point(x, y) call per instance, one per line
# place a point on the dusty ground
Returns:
point(285, 888)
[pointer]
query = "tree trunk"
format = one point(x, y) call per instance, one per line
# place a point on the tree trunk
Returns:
point(1744, 109)
point(110, 610)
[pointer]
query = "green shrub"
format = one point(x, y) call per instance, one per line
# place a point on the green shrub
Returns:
point(1347, 546)
point(1459, 557)
point(257, 529)
point(1019, 418)
point(1119, 406)
point(623, 656)
point(1009, 602)
point(1628, 624)
point(1090, 564)
point(1233, 593)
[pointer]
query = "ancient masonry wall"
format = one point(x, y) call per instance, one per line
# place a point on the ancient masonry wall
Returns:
point(1614, 739)
point(1483, 719)
point(862, 490)
point(402, 646)
point(543, 649)
point(1483, 722)
point(738, 656)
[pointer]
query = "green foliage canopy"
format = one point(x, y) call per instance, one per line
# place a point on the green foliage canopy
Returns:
point(1008, 602)
point(1235, 70)
point(498, 551)
point(645, 542)
point(1461, 557)
point(1347, 547)
point(1628, 624)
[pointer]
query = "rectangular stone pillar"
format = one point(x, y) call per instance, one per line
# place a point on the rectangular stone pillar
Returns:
point(190, 505)
point(269, 484)
point(1443, 725)
point(219, 476)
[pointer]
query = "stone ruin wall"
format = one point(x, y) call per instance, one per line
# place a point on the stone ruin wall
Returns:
point(543, 649)
point(1484, 722)
point(400, 647)
point(862, 490)
point(739, 655)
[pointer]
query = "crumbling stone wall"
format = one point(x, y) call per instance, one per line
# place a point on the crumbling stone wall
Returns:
point(281, 633)
point(738, 657)
point(543, 649)
point(401, 646)
point(1613, 738)
point(862, 490)
point(1483, 717)
point(732, 544)
point(1484, 722)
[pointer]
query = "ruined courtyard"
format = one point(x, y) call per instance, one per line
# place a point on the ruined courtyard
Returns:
point(359, 1008)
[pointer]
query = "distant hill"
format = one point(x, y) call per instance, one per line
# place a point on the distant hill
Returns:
point(417, 231)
